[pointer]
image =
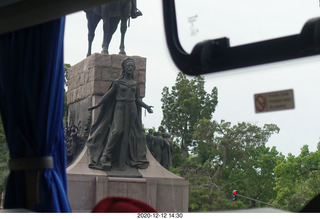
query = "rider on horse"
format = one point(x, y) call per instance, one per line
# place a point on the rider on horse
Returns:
point(135, 12)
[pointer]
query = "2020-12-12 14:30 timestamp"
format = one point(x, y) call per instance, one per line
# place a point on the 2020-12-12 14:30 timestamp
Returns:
point(159, 215)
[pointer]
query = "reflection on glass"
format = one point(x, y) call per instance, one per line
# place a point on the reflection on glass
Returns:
point(242, 22)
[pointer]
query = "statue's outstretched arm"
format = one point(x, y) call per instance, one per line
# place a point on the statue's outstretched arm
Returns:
point(141, 103)
point(105, 97)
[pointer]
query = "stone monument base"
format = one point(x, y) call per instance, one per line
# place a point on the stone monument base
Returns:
point(157, 187)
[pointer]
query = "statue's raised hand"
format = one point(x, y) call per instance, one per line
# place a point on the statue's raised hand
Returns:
point(149, 109)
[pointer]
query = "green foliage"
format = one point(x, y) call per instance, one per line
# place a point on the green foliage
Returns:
point(184, 106)
point(66, 69)
point(65, 107)
point(4, 158)
point(230, 157)
point(297, 179)
point(225, 157)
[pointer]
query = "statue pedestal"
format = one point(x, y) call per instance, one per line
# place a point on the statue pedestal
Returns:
point(157, 187)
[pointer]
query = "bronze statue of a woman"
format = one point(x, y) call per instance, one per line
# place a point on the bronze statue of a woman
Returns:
point(117, 138)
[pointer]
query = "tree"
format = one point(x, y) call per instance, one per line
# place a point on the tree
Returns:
point(66, 69)
point(297, 179)
point(4, 159)
point(65, 107)
point(230, 157)
point(184, 106)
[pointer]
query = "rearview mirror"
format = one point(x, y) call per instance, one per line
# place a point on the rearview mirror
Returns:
point(217, 55)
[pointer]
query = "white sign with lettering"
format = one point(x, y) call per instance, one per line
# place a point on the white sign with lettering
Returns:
point(274, 101)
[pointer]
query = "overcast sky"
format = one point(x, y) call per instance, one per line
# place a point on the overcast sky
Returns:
point(243, 22)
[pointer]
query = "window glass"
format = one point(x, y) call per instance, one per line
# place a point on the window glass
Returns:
point(242, 22)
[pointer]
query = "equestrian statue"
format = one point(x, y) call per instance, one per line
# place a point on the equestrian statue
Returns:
point(111, 14)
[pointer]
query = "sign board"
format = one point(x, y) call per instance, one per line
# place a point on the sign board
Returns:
point(274, 101)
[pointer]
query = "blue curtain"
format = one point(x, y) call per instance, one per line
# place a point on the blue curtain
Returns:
point(31, 107)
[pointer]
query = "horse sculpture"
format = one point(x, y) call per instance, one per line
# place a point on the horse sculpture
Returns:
point(111, 14)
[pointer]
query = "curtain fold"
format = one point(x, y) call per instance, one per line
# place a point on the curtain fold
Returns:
point(31, 107)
